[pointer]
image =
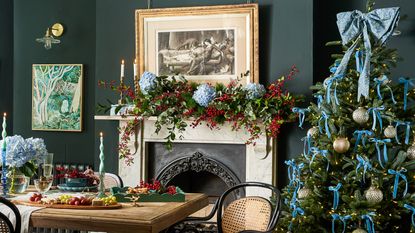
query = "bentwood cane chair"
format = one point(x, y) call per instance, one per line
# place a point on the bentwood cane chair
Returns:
point(6, 225)
point(248, 214)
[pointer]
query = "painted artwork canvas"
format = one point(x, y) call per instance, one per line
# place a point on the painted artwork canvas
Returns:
point(57, 97)
point(196, 52)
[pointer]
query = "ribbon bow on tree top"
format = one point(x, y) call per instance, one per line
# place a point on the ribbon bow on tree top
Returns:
point(352, 24)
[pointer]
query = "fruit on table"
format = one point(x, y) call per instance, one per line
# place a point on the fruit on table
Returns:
point(64, 199)
point(36, 197)
point(110, 200)
point(137, 190)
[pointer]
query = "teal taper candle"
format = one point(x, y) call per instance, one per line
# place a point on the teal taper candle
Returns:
point(101, 190)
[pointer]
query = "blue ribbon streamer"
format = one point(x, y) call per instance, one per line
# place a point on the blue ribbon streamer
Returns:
point(399, 174)
point(359, 61)
point(330, 81)
point(325, 117)
point(380, 23)
point(343, 219)
point(363, 163)
point(316, 151)
point(383, 80)
point(301, 115)
point(335, 189)
point(375, 113)
point(361, 135)
point(370, 226)
point(411, 208)
point(406, 82)
point(307, 146)
point(385, 149)
point(294, 170)
point(407, 133)
point(319, 100)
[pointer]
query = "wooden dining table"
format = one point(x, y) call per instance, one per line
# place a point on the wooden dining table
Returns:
point(149, 217)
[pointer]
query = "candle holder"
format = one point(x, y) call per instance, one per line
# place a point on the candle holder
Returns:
point(121, 101)
point(136, 85)
point(4, 174)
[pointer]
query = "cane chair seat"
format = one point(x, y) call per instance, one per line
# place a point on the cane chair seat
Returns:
point(249, 213)
point(4, 227)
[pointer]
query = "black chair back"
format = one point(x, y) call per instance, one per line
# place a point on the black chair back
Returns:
point(5, 224)
point(275, 213)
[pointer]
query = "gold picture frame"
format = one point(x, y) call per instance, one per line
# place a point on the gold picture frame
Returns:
point(57, 97)
point(213, 44)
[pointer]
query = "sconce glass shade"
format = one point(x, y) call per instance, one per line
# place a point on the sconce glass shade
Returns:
point(48, 39)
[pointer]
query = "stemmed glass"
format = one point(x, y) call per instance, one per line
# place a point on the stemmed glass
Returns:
point(43, 184)
point(48, 166)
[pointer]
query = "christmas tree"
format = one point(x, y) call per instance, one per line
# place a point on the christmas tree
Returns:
point(356, 173)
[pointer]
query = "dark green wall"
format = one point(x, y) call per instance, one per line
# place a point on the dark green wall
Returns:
point(285, 39)
point(31, 18)
point(6, 60)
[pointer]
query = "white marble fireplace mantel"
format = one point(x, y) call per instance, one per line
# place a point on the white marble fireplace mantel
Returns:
point(261, 159)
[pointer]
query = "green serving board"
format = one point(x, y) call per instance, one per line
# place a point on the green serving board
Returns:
point(122, 196)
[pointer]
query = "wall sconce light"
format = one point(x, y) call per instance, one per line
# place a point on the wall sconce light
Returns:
point(56, 30)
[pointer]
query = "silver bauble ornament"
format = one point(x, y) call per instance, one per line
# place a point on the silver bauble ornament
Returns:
point(374, 195)
point(359, 230)
point(341, 145)
point(303, 193)
point(360, 115)
point(390, 132)
point(410, 153)
point(313, 132)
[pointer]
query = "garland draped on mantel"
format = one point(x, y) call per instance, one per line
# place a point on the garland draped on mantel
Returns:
point(174, 100)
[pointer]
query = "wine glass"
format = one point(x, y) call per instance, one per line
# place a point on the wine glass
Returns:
point(43, 184)
point(48, 165)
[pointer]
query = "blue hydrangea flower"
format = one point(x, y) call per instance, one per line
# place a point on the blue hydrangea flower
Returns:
point(147, 82)
point(20, 151)
point(255, 90)
point(204, 94)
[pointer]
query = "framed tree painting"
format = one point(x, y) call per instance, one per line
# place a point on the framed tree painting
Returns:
point(57, 97)
point(204, 44)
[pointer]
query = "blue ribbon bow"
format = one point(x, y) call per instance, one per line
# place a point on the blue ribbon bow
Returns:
point(411, 208)
point(294, 170)
point(301, 115)
point(376, 113)
point(325, 117)
point(399, 174)
point(407, 133)
point(383, 80)
point(380, 23)
point(385, 149)
point(329, 82)
point(370, 226)
point(361, 135)
point(316, 151)
point(295, 211)
point(406, 82)
point(343, 219)
point(363, 163)
point(335, 189)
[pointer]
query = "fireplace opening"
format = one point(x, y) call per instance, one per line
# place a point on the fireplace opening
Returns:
point(200, 182)
point(199, 167)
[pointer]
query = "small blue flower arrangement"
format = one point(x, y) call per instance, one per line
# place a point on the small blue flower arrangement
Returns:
point(204, 94)
point(147, 82)
point(254, 91)
point(24, 154)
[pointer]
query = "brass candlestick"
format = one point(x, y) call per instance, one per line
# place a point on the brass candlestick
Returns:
point(136, 85)
point(121, 101)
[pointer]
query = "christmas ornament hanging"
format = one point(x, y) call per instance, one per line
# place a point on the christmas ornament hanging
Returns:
point(303, 193)
point(360, 115)
point(374, 195)
point(313, 132)
point(359, 230)
point(341, 145)
point(410, 153)
point(390, 132)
